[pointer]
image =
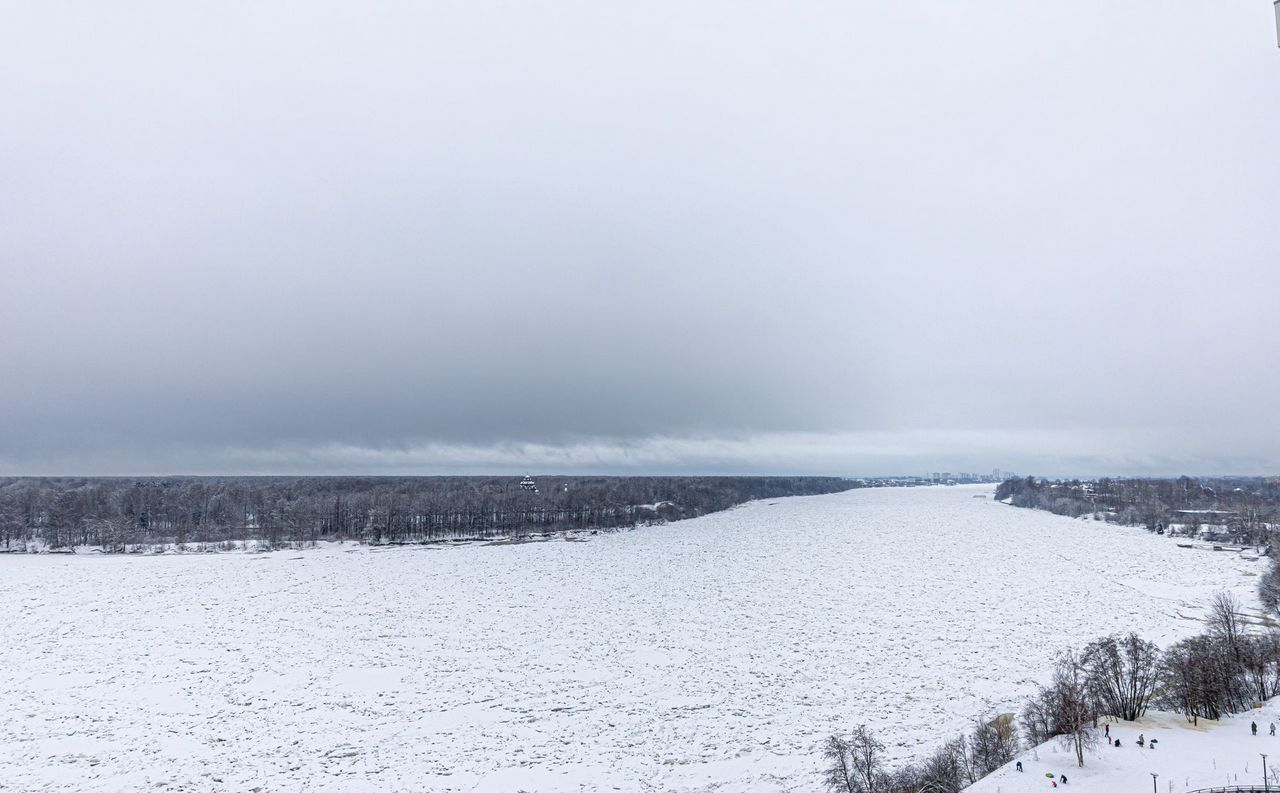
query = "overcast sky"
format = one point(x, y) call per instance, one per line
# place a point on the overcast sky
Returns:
point(847, 238)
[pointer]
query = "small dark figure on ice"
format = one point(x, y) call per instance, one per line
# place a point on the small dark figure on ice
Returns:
point(1254, 726)
point(1019, 766)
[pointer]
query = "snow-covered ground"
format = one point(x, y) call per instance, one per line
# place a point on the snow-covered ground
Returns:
point(711, 654)
point(1189, 757)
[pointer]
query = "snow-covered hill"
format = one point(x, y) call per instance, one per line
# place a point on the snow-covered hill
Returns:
point(1187, 757)
point(711, 654)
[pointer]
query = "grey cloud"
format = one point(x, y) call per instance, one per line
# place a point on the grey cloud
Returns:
point(709, 236)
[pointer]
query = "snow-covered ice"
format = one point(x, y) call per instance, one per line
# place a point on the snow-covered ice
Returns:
point(711, 654)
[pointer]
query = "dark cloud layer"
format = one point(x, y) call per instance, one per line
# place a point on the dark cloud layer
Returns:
point(849, 238)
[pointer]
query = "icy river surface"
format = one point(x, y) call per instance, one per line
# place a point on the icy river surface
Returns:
point(710, 654)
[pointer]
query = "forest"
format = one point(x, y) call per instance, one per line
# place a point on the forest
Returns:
point(131, 515)
point(1242, 509)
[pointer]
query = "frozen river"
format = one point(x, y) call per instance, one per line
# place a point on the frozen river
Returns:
point(711, 654)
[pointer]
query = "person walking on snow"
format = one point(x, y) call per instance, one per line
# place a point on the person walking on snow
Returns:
point(1254, 726)
point(1019, 766)
point(1107, 732)
point(1273, 728)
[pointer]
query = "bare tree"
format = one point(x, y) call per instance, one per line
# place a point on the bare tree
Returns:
point(1036, 718)
point(945, 771)
point(1269, 587)
point(1064, 709)
point(906, 779)
point(10, 523)
point(1122, 673)
point(1074, 704)
point(1199, 678)
point(855, 764)
point(993, 742)
point(1224, 622)
point(839, 771)
point(1260, 662)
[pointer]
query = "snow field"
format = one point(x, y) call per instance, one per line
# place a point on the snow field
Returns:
point(711, 654)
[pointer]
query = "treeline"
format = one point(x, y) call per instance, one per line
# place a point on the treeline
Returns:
point(123, 515)
point(1227, 669)
point(1242, 509)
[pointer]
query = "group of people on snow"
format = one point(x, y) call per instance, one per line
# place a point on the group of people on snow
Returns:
point(1142, 739)
point(1061, 777)
point(1142, 742)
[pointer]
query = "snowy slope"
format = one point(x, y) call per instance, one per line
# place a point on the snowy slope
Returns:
point(1188, 757)
point(710, 654)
